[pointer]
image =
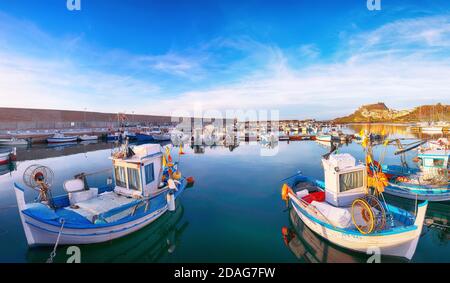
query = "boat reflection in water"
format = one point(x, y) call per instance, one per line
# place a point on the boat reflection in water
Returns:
point(309, 247)
point(150, 244)
point(8, 168)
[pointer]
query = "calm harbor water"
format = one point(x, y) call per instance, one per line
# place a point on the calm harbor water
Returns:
point(233, 213)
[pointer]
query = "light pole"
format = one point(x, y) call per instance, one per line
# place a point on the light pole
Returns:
point(85, 108)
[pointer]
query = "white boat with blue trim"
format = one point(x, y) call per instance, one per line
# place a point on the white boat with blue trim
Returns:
point(146, 185)
point(61, 138)
point(341, 210)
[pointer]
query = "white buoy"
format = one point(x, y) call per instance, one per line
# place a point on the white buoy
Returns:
point(171, 201)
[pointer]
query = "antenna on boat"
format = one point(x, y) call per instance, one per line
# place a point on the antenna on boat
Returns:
point(40, 178)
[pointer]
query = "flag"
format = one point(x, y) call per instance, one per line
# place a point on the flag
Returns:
point(364, 142)
point(361, 133)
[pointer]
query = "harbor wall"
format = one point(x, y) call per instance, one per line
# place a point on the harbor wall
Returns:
point(40, 119)
point(39, 124)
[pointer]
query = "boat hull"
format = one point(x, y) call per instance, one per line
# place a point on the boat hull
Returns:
point(402, 244)
point(323, 138)
point(62, 140)
point(161, 137)
point(43, 234)
point(144, 137)
point(89, 138)
point(11, 142)
point(40, 232)
point(404, 191)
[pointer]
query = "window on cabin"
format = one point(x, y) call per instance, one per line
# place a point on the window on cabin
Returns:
point(438, 162)
point(149, 174)
point(134, 182)
point(428, 162)
point(350, 181)
point(121, 180)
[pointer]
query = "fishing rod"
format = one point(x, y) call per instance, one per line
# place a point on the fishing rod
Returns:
point(409, 148)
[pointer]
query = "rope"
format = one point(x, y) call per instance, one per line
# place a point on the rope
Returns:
point(53, 253)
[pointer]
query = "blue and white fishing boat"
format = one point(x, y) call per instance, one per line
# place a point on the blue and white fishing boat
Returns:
point(146, 134)
point(61, 138)
point(146, 185)
point(341, 211)
point(429, 182)
point(114, 136)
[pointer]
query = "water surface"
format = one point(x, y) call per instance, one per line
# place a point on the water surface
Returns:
point(234, 212)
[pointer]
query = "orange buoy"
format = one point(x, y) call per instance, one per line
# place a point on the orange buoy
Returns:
point(181, 149)
point(284, 231)
point(190, 180)
point(285, 192)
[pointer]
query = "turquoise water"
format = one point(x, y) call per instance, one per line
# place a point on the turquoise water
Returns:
point(233, 213)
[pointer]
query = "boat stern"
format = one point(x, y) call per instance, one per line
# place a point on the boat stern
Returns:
point(420, 218)
point(21, 204)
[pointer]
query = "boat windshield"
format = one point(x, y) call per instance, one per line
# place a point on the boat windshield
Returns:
point(134, 182)
point(119, 173)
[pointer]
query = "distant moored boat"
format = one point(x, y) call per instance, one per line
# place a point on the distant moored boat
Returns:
point(61, 138)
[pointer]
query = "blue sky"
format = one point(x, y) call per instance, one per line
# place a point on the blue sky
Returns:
point(317, 59)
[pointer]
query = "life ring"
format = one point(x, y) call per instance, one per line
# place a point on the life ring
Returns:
point(366, 215)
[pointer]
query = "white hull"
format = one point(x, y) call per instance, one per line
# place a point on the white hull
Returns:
point(88, 138)
point(432, 129)
point(13, 142)
point(40, 233)
point(400, 244)
point(62, 140)
point(403, 193)
point(161, 137)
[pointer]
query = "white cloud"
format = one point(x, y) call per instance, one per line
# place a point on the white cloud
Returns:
point(404, 64)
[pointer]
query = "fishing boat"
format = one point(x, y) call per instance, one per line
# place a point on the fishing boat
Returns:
point(341, 210)
point(439, 144)
point(130, 135)
point(145, 134)
point(282, 136)
point(268, 138)
point(429, 182)
point(14, 141)
point(7, 156)
point(161, 136)
point(114, 136)
point(87, 138)
point(61, 138)
point(146, 184)
point(324, 138)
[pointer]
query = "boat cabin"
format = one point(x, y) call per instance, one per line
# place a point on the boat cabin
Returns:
point(138, 175)
point(344, 179)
